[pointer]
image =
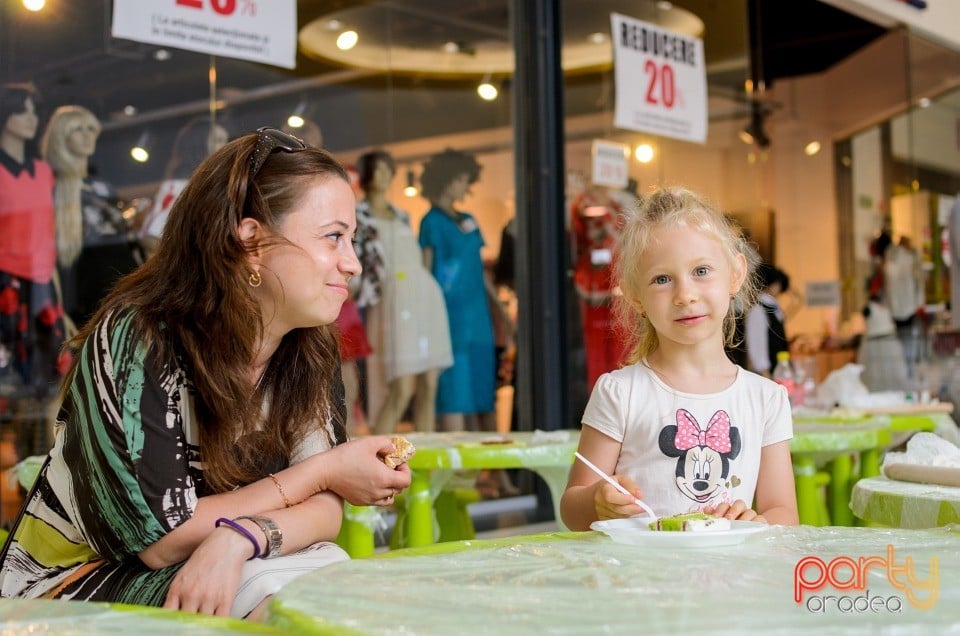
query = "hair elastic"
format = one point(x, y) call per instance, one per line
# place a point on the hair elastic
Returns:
point(239, 528)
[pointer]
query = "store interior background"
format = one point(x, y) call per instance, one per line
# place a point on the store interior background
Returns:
point(882, 101)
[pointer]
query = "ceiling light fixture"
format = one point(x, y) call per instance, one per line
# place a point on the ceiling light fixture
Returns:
point(924, 102)
point(162, 55)
point(812, 148)
point(644, 153)
point(141, 150)
point(296, 120)
point(597, 38)
point(451, 47)
point(410, 190)
point(347, 40)
point(34, 5)
point(486, 89)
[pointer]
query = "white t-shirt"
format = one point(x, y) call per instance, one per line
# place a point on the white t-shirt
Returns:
point(689, 451)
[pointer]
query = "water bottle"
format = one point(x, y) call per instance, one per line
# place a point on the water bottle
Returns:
point(783, 374)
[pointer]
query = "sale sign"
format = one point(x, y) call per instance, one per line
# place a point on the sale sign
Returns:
point(610, 163)
point(661, 80)
point(256, 30)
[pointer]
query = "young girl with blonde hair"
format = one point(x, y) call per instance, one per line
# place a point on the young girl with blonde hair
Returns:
point(681, 427)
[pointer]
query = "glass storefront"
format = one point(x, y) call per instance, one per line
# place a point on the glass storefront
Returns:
point(840, 147)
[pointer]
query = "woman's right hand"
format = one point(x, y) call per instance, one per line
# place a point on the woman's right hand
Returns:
point(610, 503)
point(355, 471)
point(207, 582)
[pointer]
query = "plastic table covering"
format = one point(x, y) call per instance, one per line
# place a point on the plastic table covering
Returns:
point(77, 618)
point(902, 504)
point(584, 583)
point(439, 455)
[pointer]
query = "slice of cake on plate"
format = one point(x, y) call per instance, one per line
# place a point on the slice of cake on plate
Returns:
point(690, 522)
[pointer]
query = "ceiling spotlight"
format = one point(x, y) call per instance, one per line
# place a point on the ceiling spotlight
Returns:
point(410, 190)
point(296, 120)
point(924, 102)
point(597, 38)
point(34, 5)
point(141, 150)
point(812, 148)
point(347, 40)
point(486, 89)
point(161, 55)
point(663, 5)
point(451, 47)
point(129, 110)
point(644, 153)
point(334, 25)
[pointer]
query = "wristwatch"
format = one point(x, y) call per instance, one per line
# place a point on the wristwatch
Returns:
point(273, 534)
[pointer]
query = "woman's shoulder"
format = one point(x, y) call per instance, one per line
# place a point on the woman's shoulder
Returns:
point(123, 329)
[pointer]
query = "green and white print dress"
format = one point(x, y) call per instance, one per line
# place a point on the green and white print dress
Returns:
point(124, 471)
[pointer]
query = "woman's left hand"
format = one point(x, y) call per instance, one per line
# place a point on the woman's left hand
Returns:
point(355, 471)
point(738, 511)
point(207, 582)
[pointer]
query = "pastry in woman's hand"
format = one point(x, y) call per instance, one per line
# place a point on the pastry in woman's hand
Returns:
point(403, 451)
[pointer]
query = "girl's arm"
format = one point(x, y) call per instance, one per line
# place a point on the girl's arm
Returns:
point(315, 486)
point(588, 497)
point(776, 495)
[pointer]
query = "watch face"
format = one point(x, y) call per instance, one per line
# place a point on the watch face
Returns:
point(273, 534)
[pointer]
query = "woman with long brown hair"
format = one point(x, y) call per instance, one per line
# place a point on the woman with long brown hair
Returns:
point(203, 417)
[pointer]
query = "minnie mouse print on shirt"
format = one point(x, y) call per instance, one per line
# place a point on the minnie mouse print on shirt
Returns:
point(703, 457)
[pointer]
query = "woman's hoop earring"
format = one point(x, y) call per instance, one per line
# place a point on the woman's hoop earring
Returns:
point(255, 279)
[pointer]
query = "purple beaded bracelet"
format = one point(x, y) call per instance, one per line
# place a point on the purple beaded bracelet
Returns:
point(236, 526)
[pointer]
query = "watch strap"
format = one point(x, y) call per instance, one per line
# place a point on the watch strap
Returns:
point(271, 531)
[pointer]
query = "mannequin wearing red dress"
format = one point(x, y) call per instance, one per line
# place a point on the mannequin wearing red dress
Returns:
point(594, 224)
point(31, 323)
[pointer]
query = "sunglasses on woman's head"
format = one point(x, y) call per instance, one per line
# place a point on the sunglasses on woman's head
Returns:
point(268, 141)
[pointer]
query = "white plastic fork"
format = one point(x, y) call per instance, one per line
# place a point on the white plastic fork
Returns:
point(613, 483)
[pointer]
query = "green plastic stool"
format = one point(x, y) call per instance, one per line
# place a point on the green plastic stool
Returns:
point(821, 480)
point(452, 516)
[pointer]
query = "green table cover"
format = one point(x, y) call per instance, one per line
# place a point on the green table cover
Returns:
point(75, 618)
point(903, 504)
point(584, 583)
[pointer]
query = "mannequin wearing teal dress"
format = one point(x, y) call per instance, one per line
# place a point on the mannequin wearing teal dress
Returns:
point(451, 242)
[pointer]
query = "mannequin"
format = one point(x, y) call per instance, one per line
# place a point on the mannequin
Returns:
point(409, 324)
point(95, 246)
point(594, 225)
point(903, 278)
point(451, 243)
point(354, 344)
point(30, 347)
point(195, 141)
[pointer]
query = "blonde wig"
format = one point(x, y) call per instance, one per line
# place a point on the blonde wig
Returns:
point(674, 207)
point(69, 169)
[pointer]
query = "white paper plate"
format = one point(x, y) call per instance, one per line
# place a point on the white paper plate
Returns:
point(634, 531)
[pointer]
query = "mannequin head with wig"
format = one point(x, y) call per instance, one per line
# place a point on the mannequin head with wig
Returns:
point(68, 142)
